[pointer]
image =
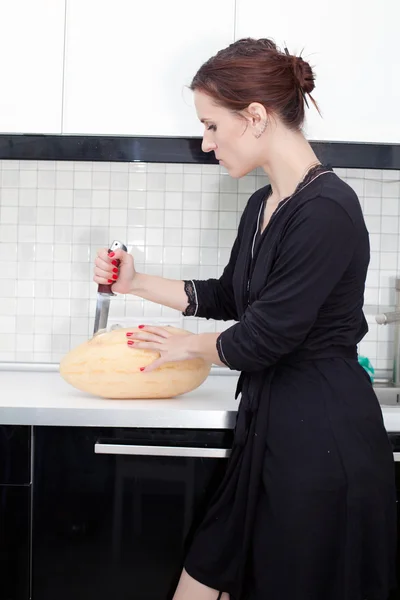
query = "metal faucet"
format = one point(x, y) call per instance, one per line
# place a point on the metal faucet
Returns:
point(394, 317)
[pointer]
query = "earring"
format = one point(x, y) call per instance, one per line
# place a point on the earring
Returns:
point(261, 131)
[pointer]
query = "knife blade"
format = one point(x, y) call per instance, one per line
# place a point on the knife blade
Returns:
point(104, 295)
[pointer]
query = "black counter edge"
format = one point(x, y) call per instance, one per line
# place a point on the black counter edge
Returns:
point(348, 155)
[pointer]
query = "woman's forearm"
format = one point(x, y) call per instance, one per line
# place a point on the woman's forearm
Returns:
point(168, 292)
point(203, 345)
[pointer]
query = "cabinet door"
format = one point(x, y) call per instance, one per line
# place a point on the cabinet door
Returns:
point(110, 522)
point(128, 62)
point(15, 454)
point(32, 50)
point(354, 49)
point(14, 542)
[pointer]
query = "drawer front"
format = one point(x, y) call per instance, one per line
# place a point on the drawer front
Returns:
point(15, 455)
point(15, 568)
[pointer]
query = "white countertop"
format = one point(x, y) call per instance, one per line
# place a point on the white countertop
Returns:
point(44, 398)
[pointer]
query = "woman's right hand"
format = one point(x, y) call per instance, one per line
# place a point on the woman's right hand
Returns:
point(106, 270)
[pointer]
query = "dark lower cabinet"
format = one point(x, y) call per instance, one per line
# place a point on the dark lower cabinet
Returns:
point(395, 441)
point(15, 512)
point(114, 508)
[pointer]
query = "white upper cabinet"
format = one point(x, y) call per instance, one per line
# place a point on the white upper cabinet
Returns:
point(31, 65)
point(128, 63)
point(354, 47)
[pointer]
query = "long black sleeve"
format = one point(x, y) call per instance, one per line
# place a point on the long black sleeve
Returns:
point(214, 298)
point(314, 253)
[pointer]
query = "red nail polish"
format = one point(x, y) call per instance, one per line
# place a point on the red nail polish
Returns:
point(111, 254)
point(115, 270)
point(130, 343)
point(115, 276)
point(129, 334)
point(115, 263)
point(141, 326)
point(142, 368)
point(111, 281)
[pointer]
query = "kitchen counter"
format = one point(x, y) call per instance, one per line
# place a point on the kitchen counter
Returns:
point(44, 398)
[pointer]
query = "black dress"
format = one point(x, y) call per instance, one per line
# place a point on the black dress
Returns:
point(307, 507)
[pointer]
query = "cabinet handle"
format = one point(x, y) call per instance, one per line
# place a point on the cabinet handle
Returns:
point(396, 456)
point(138, 450)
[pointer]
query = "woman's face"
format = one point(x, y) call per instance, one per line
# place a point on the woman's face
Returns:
point(229, 136)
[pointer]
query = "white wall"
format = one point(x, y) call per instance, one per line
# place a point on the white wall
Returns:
point(177, 220)
point(354, 46)
point(122, 66)
point(128, 63)
point(31, 65)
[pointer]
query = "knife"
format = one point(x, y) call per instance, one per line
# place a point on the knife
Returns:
point(104, 294)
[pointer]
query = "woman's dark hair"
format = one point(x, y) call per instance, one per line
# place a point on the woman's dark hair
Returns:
point(252, 70)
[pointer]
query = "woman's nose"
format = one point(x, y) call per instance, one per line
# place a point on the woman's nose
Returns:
point(208, 145)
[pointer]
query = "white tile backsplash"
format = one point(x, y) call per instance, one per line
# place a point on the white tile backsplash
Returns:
point(178, 220)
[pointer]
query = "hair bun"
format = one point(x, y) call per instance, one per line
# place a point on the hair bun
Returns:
point(303, 73)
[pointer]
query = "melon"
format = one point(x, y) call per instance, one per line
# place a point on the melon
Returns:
point(106, 366)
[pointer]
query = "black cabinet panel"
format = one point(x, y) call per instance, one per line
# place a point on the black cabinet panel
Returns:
point(15, 455)
point(114, 526)
point(15, 542)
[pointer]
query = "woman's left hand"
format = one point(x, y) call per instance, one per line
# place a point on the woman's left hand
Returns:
point(171, 347)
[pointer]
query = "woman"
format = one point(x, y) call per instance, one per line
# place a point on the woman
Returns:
point(307, 507)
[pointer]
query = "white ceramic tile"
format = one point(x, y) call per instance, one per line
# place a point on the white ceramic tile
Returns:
point(172, 255)
point(373, 223)
point(8, 214)
point(137, 181)
point(154, 236)
point(190, 256)
point(10, 179)
point(173, 200)
point(191, 219)
point(156, 182)
point(118, 217)
point(64, 180)
point(247, 184)
point(46, 179)
point(390, 206)
point(25, 306)
point(9, 270)
point(192, 200)
point(209, 238)
point(179, 221)
point(191, 182)
point(119, 181)
point(191, 237)
point(119, 198)
point(227, 220)
point(173, 237)
point(389, 225)
point(173, 218)
point(9, 197)
point(101, 180)
point(136, 217)
point(8, 233)
point(83, 198)
point(154, 218)
point(389, 243)
point(391, 189)
point(208, 256)
point(27, 197)
point(228, 184)
point(209, 219)
point(210, 183)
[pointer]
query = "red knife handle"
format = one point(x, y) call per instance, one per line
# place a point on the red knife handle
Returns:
point(104, 288)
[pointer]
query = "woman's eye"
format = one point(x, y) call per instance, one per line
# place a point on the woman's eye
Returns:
point(212, 128)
